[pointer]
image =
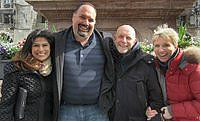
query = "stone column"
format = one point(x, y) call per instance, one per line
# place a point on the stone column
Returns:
point(25, 19)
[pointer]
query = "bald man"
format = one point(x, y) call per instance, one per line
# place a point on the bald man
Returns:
point(135, 86)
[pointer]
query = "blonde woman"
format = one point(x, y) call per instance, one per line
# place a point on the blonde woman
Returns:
point(179, 76)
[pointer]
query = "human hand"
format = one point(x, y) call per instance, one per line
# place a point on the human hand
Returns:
point(166, 114)
point(150, 113)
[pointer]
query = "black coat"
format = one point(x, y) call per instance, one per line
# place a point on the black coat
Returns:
point(39, 103)
point(134, 86)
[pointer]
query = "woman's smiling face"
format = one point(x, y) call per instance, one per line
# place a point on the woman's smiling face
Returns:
point(41, 49)
point(163, 49)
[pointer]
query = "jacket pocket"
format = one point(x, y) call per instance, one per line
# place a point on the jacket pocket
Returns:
point(141, 94)
point(20, 103)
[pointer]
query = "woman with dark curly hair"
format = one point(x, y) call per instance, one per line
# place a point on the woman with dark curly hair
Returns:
point(31, 70)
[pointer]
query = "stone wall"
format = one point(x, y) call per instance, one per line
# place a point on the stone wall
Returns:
point(144, 27)
point(25, 19)
point(145, 16)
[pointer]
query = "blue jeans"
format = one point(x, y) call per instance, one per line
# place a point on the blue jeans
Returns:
point(70, 112)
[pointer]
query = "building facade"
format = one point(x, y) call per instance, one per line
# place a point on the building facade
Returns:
point(18, 18)
point(143, 15)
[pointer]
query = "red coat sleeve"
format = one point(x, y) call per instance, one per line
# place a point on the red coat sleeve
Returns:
point(190, 110)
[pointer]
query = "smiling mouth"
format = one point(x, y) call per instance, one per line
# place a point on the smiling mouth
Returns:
point(83, 28)
point(41, 54)
point(123, 46)
point(165, 55)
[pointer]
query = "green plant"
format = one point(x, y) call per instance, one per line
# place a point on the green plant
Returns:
point(185, 39)
point(53, 27)
point(5, 37)
point(8, 48)
point(147, 47)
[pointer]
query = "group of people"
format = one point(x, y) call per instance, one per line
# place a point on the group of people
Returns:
point(82, 74)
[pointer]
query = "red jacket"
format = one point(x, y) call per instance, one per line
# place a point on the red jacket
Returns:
point(183, 88)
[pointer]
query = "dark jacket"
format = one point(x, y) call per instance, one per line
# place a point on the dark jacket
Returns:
point(60, 39)
point(182, 80)
point(134, 86)
point(36, 102)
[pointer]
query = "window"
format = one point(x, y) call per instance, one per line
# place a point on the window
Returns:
point(8, 3)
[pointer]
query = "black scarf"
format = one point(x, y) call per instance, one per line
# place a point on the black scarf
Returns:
point(121, 60)
point(125, 56)
point(164, 65)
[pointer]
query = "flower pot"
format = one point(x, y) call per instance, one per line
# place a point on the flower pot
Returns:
point(2, 63)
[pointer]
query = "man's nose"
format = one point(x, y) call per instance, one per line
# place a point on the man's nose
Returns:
point(86, 22)
point(124, 40)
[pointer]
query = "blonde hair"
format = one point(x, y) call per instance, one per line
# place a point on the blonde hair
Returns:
point(166, 33)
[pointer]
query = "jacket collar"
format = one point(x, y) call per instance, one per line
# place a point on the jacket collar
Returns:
point(71, 37)
point(175, 61)
point(129, 59)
